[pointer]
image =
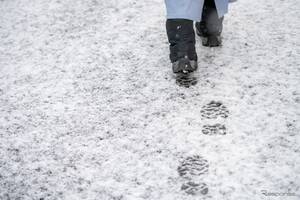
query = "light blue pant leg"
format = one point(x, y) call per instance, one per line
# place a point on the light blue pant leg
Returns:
point(222, 7)
point(192, 9)
point(184, 9)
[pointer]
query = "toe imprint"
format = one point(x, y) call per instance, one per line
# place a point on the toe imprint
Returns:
point(213, 110)
point(193, 166)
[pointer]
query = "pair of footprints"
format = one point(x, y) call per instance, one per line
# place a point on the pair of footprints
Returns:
point(194, 168)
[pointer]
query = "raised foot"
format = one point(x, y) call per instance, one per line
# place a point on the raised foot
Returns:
point(184, 65)
point(211, 41)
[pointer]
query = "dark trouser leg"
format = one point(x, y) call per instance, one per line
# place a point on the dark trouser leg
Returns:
point(181, 37)
point(210, 27)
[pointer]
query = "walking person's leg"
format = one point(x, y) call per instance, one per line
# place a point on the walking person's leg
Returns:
point(180, 31)
point(211, 25)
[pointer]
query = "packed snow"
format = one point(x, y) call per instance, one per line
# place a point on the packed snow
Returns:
point(89, 108)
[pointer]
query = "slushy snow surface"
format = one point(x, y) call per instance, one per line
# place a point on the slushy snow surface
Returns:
point(89, 108)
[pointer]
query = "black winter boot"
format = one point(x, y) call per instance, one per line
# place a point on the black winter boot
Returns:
point(181, 37)
point(210, 27)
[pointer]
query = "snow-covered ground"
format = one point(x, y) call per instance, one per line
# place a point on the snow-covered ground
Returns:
point(89, 108)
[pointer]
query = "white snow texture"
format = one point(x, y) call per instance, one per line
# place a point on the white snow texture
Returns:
point(89, 108)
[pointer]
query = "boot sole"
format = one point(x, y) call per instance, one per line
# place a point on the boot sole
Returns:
point(184, 65)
